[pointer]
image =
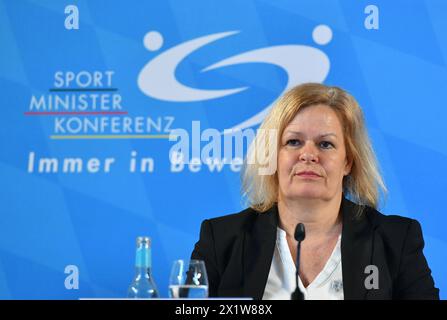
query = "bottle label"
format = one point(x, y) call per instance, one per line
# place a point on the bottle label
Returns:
point(143, 258)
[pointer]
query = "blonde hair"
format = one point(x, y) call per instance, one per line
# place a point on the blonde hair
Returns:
point(364, 181)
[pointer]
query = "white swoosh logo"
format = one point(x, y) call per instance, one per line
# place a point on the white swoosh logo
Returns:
point(302, 64)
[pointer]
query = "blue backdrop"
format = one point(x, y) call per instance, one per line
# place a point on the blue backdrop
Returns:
point(103, 82)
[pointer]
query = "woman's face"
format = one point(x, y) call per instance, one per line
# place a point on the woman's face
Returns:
point(312, 156)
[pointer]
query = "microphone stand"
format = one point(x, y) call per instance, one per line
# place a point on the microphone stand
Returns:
point(300, 234)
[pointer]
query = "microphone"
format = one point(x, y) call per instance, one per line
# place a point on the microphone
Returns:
point(300, 234)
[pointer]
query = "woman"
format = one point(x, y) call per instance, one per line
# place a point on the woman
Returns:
point(351, 251)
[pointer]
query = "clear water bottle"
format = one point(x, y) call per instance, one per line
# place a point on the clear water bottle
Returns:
point(143, 285)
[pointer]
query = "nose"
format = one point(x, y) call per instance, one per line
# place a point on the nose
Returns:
point(309, 153)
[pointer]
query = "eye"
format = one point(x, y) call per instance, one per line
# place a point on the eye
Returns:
point(326, 145)
point(293, 142)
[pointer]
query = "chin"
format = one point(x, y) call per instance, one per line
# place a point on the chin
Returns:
point(307, 194)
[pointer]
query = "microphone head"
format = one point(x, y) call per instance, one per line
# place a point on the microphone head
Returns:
point(300, 232)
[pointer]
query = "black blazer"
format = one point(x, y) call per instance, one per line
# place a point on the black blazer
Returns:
point(238, 251)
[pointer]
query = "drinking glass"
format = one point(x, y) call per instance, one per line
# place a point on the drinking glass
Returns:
point(188, 279)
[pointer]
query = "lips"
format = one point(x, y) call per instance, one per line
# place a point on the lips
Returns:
point(308, 173)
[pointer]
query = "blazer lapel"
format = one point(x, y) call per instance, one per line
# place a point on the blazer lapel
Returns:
point(356, 251)
point(259, 245)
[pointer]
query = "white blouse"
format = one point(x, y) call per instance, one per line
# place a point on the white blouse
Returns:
point(281, 282)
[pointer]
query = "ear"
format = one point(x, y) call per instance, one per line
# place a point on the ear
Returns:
point(348, 167)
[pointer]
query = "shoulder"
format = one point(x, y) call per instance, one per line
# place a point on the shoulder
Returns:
point(394, 228)
point(386, 222)
point(247, 221)
point(357, 214)
point(234, 222)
